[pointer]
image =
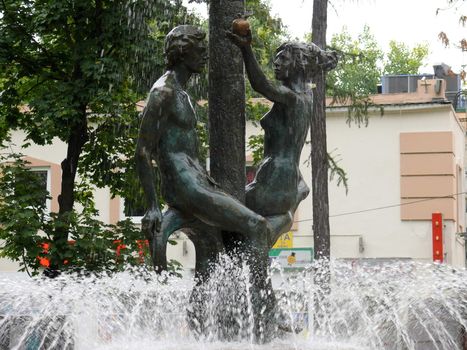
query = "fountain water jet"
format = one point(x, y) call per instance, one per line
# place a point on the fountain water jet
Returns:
point(395, 306)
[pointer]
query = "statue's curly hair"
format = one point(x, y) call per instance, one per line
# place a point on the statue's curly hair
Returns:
point(308, 58)
point(178, 41)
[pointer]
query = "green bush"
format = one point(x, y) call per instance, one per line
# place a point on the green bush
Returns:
point(27, 230)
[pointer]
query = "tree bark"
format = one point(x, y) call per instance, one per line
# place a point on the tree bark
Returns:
point(226, 105)
point(227, 151)
point(69, 165)
point(319, 165)
point(226, 100)
point(66, 199)
point(321, 229)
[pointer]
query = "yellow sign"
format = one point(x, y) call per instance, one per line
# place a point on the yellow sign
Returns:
point(284, 241)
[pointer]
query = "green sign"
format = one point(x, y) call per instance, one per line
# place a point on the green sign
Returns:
point(292, 257)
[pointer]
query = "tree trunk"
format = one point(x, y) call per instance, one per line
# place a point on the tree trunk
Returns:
point(321, 229)
point(226, 105)
point(226, 100)
point(227, 150)
point(69, 165)
point(66, 199)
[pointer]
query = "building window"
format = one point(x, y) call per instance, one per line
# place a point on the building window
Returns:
point(43, 175)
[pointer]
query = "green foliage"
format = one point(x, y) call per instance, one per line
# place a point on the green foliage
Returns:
point(174, 268)
point(337, 172)
point(97, 247)
point(57, 57)
point(97, 58)
point(202, 129)
point(22, 212)
point(403, 60)
point(268, 33)
point(255, 110)
point(361, 64)
point(25, 226)
point(256, 146)
point(65, 65)
point(357, 73)
point(358, 69)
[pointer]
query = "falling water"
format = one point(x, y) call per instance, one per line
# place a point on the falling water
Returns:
point(395, 306)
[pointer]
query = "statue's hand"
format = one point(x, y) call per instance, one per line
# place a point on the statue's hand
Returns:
point(239, 40)
point(151, 222)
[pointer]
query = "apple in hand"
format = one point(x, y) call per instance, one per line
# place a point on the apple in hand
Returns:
point(240, 26)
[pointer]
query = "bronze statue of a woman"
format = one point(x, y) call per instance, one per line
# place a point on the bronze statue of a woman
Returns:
point(279, 187)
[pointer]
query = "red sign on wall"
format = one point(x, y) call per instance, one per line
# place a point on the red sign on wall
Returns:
point(437, 235)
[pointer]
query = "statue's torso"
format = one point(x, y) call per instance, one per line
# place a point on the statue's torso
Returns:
point(179, 134)
point(285, 128)
point(275, 187)
point(177, 150)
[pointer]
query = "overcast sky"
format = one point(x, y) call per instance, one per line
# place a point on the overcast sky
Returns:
point(409, 21)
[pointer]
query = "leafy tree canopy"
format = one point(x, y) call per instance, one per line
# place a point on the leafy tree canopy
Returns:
point(74, 71)
point(362, 63)
point(403, 60)
point(358, 71)
point(62, 62)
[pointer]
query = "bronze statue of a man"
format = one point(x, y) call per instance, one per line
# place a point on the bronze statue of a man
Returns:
point(168, 136)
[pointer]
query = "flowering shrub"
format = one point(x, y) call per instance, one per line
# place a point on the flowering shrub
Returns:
point(27, 230)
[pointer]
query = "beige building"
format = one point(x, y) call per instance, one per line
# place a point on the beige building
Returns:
point(402, 167)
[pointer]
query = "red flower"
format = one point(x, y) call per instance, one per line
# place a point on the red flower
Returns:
point(120, 247)
point(44, 261)
point(45, 248)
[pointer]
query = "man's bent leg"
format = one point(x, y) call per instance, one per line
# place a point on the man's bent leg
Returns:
point(223, 211)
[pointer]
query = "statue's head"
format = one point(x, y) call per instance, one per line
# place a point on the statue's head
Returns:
point(186, 44)
point(302, 60)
